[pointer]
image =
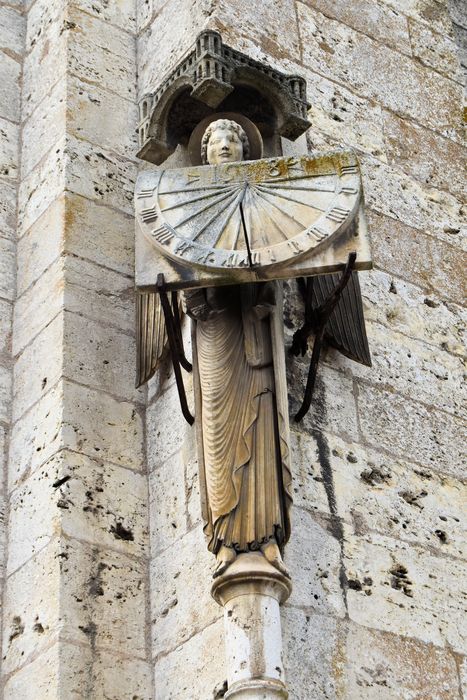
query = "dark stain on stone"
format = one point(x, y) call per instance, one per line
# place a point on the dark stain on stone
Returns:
point(120, 532)
point(60, 482)
point(400, 580)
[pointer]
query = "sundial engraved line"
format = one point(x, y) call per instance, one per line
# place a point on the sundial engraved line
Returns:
point(213, 218)
point(193, 215)
point(261, 226)
point(290, 216)
point(274, 186)
point(202, 188)
point(274, 222)
point(291, 199)
point(189, 201)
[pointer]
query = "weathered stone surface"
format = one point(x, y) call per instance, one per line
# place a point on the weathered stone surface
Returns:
point(5, 393)
point(41, 245)
point(42, 186)
point(102, 117)
point(410, 590)
point(36, 436)
point(84, 498)
point(419, 258)
point(376, 492)
point(176, 617)
point(408, 89)
point(38, 306)
point(6, 314)
point(313, 654)
point(333, 406)
point(99, 293)
point(101, 53)
point(99, 602)
point(9, 135)
point(7, 268)
point(167, 504)
point(100, 357)
point(122, 13)
point(100, 174)
point(10, 71)
point(343, 118)
point(113, 248)
point(191, 17)
point(203, 654)
point(313, 558)
point(263, 24)
point(425, 156)
point(374, 19)
point(47, 27)
point(39, 366)
point(309, 471)
point(404, 308)
point(414, 369)
point(11, 30)
point(45, 127)
point(384, 666)
point(101, 426)
point(435, 50)
point(79, 671)
point(431, 12)
point(411, 430)
point(7, 209)
point(166, 431)
point(397, 195)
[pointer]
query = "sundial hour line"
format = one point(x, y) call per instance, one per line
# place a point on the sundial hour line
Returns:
point(213, 218)
point(274, 186)
point(193, 215)
point(204, 187)
point(190, 201)
point(289, 216)
point(303, 176)
point(291, 199)
point(272, 219)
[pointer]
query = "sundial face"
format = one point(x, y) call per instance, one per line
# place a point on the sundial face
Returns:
point(254, 214)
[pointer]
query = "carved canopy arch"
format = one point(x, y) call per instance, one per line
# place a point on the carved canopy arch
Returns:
point(211, 76)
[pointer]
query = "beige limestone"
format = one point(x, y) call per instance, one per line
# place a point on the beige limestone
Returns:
point(376, 478)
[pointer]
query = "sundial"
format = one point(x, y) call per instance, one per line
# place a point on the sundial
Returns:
point(253, 220)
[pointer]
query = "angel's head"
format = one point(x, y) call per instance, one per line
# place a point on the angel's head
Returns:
point(224, 141)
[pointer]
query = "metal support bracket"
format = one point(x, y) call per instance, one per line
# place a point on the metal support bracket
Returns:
point(315, 320)
point(174, 334)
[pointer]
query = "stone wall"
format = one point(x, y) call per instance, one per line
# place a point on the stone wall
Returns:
point(76, 565)
point(376, 549)
point(103, 600)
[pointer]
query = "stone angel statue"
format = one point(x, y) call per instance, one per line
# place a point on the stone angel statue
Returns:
point(240, 390)
point(241, 396)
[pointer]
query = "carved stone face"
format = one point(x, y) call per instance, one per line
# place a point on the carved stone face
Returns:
point(224, 142)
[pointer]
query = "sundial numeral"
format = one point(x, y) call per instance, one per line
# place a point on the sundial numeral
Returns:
point(206, 257)
point(143, 194)
point(338, 214)
point(193, 177)
point(182, 247)
point(317, 233)
point(294, 247)
point(162, 235)
point(349, 190)
point(148, 215)
point(349, 170)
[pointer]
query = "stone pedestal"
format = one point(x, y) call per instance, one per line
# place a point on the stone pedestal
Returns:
point(251, 592)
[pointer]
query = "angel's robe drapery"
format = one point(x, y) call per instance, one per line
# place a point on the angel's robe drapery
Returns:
point(243, 427)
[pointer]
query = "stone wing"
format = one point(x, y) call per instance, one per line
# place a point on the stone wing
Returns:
point(151, 335)
point(345, 329)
